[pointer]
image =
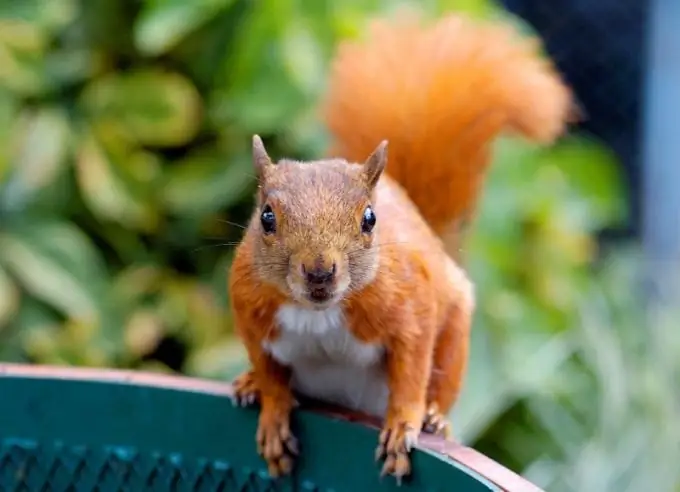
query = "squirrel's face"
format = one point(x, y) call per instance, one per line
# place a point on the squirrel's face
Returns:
point(315, 226)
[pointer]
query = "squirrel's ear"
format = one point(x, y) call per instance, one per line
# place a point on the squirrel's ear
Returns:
point(375, 164)
point(261, 159)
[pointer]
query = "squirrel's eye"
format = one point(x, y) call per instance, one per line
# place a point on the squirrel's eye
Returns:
point(368, 220)
point(268, 220)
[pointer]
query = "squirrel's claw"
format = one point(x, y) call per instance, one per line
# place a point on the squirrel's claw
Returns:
point(436, 422)
point(245, 390)
point(394, 445)
point(276, 444)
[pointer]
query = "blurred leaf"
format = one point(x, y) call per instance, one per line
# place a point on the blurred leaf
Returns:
point(57, 263)
point(202, 52)
point(40, 342)
point(107, 191)
point(349, 19)
point(105, 26)
point(133, 284)
point(143, 332)
point(258, 97)
point(264, 106)
point(304, 133)
point(205, 315)
point(47, 14)
point(39, 153)
point(22, 47)
point(25, 30)
point(173, 303)
point(31, 314)
point(9, 298)
point(163, 23)
point(34, 313)
point(206, 181)
point(302, 57)
point(474, 8)
point(256, 35)
point(219, 279)
point(485, 393)
point(69, 67)
point(9, 108)
point(224, 360)
point(188, 302)
point(594, 172)
point(56, 198)
point(534, 360)
point(149, 106)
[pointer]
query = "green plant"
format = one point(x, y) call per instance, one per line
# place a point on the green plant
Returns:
point(611, 421)
point(530, 251)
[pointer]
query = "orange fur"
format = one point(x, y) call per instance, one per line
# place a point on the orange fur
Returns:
point(438, 95)
point(254, 308)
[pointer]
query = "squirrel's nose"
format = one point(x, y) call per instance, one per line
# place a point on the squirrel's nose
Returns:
point(319, 275)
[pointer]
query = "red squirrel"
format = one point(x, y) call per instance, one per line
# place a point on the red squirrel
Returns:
point(342, 288)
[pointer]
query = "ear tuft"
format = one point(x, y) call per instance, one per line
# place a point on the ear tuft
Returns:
point(261, 159)
point(375, 164)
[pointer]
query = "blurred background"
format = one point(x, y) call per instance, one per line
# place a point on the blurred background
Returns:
point(125, 180)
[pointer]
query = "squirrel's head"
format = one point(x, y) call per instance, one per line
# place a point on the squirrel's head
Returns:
point(314, 225)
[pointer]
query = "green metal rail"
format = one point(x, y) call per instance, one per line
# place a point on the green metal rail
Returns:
point(77, 430)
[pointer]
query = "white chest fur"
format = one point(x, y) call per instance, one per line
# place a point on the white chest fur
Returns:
point(328, 362)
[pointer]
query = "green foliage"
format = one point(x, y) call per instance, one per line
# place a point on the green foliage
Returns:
point(529, 254)
point(125, 179)
point(611, 422)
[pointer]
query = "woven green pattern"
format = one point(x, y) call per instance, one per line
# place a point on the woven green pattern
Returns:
point(77, 436)
point(27, 466)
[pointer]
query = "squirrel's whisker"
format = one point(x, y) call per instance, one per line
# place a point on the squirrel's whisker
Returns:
point(208, 246)
point(235, 224)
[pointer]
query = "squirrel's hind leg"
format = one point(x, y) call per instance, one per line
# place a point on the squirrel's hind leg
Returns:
point(436, 422)
point(448, 366)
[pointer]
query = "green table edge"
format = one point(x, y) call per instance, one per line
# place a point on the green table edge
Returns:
point(316, 416)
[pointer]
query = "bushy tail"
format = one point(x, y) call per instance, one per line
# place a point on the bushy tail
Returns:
point(440, 93)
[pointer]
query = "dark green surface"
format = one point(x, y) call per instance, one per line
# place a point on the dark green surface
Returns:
point(75, 436)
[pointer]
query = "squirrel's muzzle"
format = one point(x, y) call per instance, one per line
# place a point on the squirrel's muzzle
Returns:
point(319, 275)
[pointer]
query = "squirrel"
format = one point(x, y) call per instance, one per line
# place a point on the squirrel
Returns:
point(343, 288)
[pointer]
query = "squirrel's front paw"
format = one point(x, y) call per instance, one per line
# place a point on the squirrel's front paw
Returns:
point(276, 443)
point(396, 441)
point(436, 422)
point(246, 392)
